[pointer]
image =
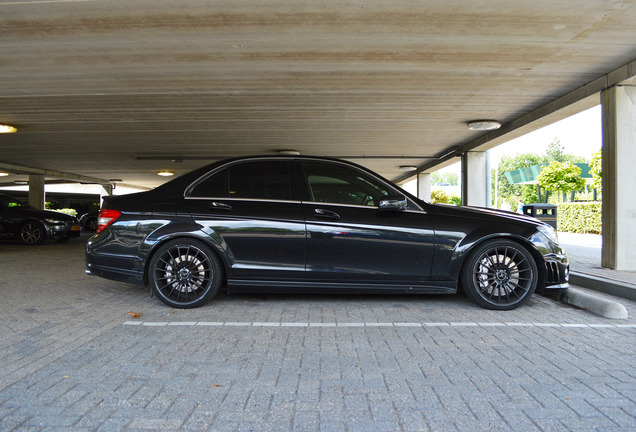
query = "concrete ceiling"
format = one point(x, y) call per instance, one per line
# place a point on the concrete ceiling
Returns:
point(116, 89)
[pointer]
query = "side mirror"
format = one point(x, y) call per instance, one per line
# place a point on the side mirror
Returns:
point(393, 202)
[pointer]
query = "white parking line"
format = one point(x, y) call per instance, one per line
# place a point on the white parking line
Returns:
point(371, 324)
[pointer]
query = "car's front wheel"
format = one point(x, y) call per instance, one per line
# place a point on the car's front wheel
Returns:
point(500, 275)
point(31, 233)
point(185, 273)
point(91, 224)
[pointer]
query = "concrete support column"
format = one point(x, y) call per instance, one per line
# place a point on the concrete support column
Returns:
point(36, 191)
point(108, 189)
point(619, 178)
point(424, 186)
point(474, 179)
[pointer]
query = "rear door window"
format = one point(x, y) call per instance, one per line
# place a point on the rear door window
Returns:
point(263, 180)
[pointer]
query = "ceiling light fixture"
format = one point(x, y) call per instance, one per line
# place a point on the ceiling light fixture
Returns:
point(165, 173)
point(21, 182)
point(3, 174)
point(483, 125)
point(5, 128)
point(288, 152)
point(407, 168)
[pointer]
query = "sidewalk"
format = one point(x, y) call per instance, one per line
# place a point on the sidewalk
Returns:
point(584, 252)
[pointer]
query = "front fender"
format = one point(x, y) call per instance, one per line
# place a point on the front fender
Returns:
point(453, 246)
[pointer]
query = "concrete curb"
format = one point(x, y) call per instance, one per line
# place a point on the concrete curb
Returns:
point(603, 285)
point(597, 305)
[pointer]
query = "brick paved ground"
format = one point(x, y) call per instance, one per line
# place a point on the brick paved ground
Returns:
point(74, 359)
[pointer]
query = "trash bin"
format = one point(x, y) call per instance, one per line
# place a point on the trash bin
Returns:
point(544, 212)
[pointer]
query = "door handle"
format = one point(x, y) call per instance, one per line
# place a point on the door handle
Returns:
point(217, 206)
point(326, 214)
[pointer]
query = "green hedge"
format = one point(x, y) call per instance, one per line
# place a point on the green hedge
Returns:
point(441, 197)
point(584, 217)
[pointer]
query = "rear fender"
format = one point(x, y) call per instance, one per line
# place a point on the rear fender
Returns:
point(184, 230)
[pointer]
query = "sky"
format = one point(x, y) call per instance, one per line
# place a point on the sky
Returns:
point(580, 134)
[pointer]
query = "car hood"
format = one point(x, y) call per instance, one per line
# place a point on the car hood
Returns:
point(485, 213)
point(45, 214)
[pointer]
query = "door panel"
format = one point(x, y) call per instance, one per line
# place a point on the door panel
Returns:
point(247, 208)
point(263, 240)
point(350, 239)
point(367, 245)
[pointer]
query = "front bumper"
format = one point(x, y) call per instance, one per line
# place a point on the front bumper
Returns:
point(557, 272)
point(63, 231)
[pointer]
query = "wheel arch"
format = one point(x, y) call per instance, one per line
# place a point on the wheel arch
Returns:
point(215, 247)
point(522, 241)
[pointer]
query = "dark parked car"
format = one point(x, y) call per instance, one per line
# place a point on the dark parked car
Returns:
point(294, 224)
point(88, 221)
point(23, 221)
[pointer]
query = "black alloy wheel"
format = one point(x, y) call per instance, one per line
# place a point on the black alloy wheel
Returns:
point(500, 275)
point(91, 224)
point(185, 273)
point(31, 233)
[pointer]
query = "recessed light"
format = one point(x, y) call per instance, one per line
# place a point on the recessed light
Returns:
point(165, 173)
point(3, 174)
point(21, 182)
point(483, 125)
point(4, 128)
point(407, 168)
point(288, 152)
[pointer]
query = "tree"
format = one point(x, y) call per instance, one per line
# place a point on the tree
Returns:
point(596, 170)
point(447, 177)
point(514, 192)
point(561, 176)
point(556, 152)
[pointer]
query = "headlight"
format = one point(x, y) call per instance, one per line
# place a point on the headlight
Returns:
point(54, 221)
point(549, 233)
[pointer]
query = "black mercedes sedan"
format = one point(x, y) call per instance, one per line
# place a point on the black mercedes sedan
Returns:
point(310, 224)
point(32, 226)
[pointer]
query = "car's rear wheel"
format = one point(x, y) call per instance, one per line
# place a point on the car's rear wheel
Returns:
point(185, 273)
point(500, 275)
point(31, 233)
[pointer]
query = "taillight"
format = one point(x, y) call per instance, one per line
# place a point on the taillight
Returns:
point(105, 218)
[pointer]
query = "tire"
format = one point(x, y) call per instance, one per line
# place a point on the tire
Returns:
point(91, 224)
point(500, 275)
point(31, 233)
point(185, 273)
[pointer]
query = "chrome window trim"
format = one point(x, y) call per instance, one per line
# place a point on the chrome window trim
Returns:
point(243, 199)
point(376, 208)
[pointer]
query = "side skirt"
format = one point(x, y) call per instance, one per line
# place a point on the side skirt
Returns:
point(241, 285)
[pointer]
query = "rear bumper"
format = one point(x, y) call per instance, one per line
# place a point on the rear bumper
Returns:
point(116, 274)
point(123, 268)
